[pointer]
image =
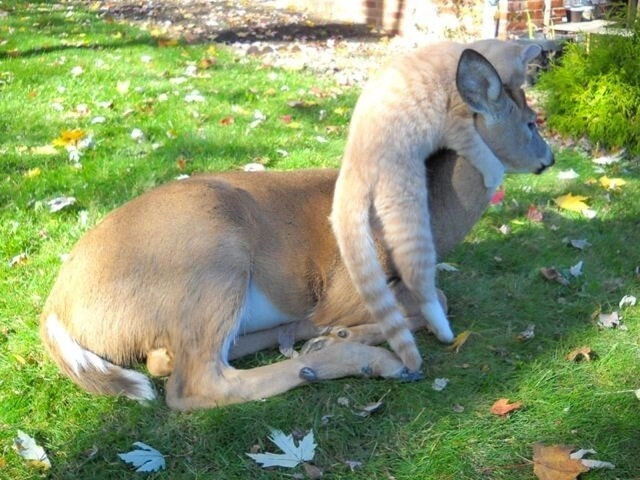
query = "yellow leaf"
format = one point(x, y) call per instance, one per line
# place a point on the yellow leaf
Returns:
point(459, 341)
point(341, 111)
point(574, 203)
point(69, 137)
point(611, 183)
point(294, 125)
point(211, 51)
point(34, 172)
point(44, 150)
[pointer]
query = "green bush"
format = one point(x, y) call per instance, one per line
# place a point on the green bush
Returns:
point(593, 90)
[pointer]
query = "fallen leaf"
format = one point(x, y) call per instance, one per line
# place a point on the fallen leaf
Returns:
point(440, 384)
point(497, 197)
point(568, 174)
point(33, 172)
point(609, 159)
point(528, 333)
point(611, 183)
point(254, 167)
point(123, 86)
point(137, 135)
point(502, 406)
point(609, 320)
point(313, 472)
point(227, 121)
point(580, 244)
point(370, 409)
point(505, 229)
point(19, 259)
point(194, 96)
point(590, 464)
point(627, 301)
point(459, 341)
point(574, 203)
point(554, 275)
point(353, 464)
point(583, 353)
point(533, 214)
point(69, 137)
point(44, 150)
point(446, 267)
point(554, 463)
point(145, 458)
point(33, 453)
point(343, 401)
point(576, 270)
point(59, 203)
point(293, 454)
point(181, 163)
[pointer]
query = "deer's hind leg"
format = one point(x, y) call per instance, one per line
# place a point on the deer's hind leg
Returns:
point(198, 383)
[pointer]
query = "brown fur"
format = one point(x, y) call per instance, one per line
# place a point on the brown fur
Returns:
point(162, 278)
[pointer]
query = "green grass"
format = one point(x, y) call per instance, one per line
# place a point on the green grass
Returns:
point(496, 294)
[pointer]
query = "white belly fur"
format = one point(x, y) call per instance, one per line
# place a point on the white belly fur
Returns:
point(259, 313)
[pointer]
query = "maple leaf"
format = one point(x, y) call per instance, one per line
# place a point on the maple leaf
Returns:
point(502, 406)
point(293, 454)
point(563, 462)
point(555, 463)
point(69, 137)
point(459, 341)
point(573, 203)
point(611, 183)
point(144, 458)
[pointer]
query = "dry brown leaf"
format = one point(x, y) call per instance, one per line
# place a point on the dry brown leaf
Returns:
point(459, 341)
point(554, 462)
point(583, 353)
point(502, 406)
point(554, 275)
point(313, 472)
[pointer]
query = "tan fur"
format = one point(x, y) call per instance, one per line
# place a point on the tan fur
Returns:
point(195, 273)
point(445, 95)
point(163, 276)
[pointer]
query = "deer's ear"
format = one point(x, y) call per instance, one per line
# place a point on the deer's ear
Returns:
point(529, 52)
point(480, 86)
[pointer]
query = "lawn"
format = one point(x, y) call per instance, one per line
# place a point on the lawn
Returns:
point(94, 113)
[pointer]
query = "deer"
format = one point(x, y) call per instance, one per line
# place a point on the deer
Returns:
point(196, 273)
